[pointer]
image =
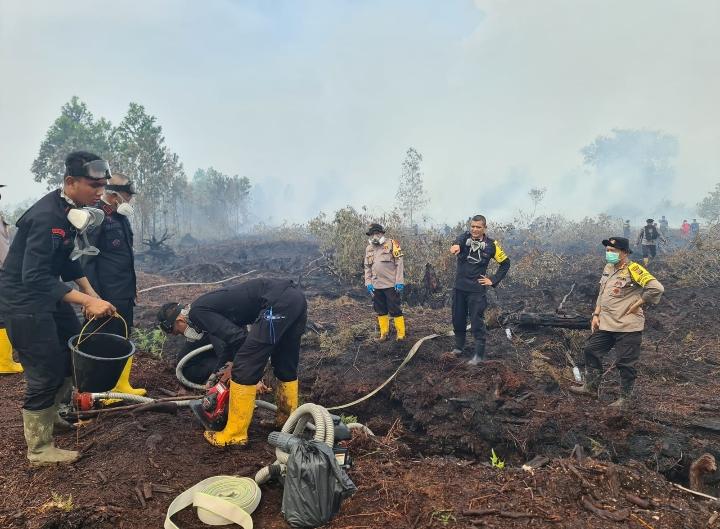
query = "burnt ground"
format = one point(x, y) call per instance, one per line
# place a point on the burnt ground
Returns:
point(436, 423)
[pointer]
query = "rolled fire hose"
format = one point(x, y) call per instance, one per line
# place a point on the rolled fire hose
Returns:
point(219, 500)
point(296, 423)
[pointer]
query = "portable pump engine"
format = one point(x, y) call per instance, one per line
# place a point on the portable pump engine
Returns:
point(212, 412)
point(212, 409)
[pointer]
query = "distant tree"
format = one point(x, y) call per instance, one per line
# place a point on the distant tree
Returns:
point(222, 200)
point(75, 129)
point(411, 194)
point(709, 207)
point(646, 154)
point(140, 152)
point(536, 194)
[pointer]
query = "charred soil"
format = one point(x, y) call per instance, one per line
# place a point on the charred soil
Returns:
point(435, 423)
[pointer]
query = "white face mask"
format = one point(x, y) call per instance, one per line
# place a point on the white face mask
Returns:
point(377, 240)
point(190, 333)
point(84, 219)
point(125, 209)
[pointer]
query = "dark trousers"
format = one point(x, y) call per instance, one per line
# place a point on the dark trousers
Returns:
point(41, 341)
point(126, 309)
point(649, 250)
point(276, 335)
point(387, 300)
point(627, 352)
point(470, 304)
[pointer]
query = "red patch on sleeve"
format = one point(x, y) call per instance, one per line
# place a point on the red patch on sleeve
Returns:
point(58, 231)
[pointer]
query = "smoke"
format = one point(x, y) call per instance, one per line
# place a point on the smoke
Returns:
point(317, 102)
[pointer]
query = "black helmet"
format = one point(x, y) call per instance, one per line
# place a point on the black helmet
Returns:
point(167, 315)
point(375, 228)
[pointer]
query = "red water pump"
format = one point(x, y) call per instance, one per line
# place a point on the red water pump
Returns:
point(212, 409)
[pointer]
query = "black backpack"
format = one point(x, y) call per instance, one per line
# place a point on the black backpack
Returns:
point(651, 233)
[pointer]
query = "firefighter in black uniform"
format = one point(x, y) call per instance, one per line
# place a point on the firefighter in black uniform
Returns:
point(474, 250)
point(112, 272)
point(277, 310)
point(35, 303)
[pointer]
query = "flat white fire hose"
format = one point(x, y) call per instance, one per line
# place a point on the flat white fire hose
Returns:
point(408, 357)
point(166, 285)
point(219, 500)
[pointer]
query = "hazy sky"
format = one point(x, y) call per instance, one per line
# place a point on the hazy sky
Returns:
point(317, 101)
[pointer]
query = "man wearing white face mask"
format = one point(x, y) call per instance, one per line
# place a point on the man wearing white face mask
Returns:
point(35, 301)
point(112, 271)
point(384, 280)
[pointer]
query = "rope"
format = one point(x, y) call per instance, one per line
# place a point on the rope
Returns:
point(411, 353)
point(219, 500)
point(191, 284)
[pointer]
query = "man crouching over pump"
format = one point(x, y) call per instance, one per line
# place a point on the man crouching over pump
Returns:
point(277, 312)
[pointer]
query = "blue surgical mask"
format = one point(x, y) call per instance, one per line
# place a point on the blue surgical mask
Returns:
point(612, 257)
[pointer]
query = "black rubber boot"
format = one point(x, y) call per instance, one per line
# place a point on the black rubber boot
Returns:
point(591, 385)
point(479, 355)
point(625, 399)
point(62, 402)
point(459, 344)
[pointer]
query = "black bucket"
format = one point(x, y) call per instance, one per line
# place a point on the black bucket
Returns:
point(99, 360)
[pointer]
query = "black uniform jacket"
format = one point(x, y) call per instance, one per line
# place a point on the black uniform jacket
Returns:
point(224, 313)
point(39, 256)
point(473, 264)
point(112, 272)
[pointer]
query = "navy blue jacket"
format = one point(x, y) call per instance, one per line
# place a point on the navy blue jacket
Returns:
point(39, 256)
point(112, 272)
point(473, 264)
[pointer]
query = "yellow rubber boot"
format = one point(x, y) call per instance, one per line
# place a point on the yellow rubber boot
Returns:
point(400, 328)
point(8, 366)
point(646, 260)
point(123, 383)
point(240, 412)
point(384, 324)
point(286, 398)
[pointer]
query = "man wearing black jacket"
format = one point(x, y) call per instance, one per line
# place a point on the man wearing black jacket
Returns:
point(474, 250)
point(277, 312)
point(35, 302)
point(112, 271)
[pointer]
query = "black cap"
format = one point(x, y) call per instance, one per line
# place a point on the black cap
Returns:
point(619, 243)
point(167, 315)
point(650, 221)
point(375, 228)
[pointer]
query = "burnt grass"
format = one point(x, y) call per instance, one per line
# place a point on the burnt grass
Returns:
point(435, 424)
